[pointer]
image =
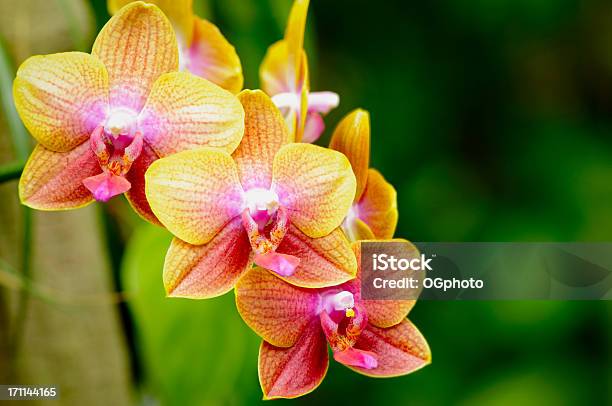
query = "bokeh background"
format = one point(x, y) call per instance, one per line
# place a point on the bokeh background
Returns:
point(493, 119)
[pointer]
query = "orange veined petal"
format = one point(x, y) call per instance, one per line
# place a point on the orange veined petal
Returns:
point(352, 138)
point(277, 311)
point(316, 185)
point(61, 98)
point(54, 180)
point(179, 12)
point(384, 312)
point(212, 57)
point(324, 261)
point(137, 45)
point(297, 370)
point(399, 350)
point(378, 206)
point(209, 270)
point(265, 133)
point(194, 193)
point(185, 112)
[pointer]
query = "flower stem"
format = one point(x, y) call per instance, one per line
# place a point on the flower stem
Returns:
point(11, 171)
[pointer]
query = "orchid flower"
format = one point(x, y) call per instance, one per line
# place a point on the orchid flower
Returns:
point(373, 214)
point(284, 76)
point(203, 50)
point(102, 118)
point(372, 337)
point(275, 203)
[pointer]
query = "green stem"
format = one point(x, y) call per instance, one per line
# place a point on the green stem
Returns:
point(11, 171)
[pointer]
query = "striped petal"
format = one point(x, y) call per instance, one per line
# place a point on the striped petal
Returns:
point(297, 370)
point(194, 193)
point(378, 206)
point(54, 180)
point(277, 311)
point(137, 46)
point(179, 12)
point(186, 112)
point(383, 312)
point(324, 261)
point(136, 176)
point(399, 350)
point(316, 186)
point(212, 57)
point(264, 134)
point(61, 98)
point(209, 270)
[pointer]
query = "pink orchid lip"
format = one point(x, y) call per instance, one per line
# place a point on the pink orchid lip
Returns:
point(117, 144)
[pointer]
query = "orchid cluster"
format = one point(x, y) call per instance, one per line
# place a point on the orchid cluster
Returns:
point(156, 112)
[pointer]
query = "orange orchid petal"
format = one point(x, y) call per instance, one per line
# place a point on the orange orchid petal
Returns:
point(209, 270)
point(399, 350)
point(387, 312)
point(316, 185)
point(294, 33)
point(137, 46)
point(277, 311)
point(324, 261)
point(136, 176)
point(194, 193)
point(212, 57)
point(378, 206)
point(54, 180)
point(186, 112)
point(265, 133)
point(297, 370)
point(352, 138)
point(61, 98)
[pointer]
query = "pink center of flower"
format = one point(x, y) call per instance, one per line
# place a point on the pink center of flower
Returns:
point(117, 143)
point(266, 222)
point(343, 320)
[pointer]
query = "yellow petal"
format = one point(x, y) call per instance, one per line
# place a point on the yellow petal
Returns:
point(316, 185)
point(54, 180)
point(194, 193)
point(61, 98)
point(185, 112)
point(137, 46)
point(357, 230)
point(212, 57)
point(378, 206)
point(264, 134)
point(294, 33)
point(352, 138)
point(179, 12)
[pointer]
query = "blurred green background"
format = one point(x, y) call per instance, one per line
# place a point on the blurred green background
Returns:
point(493, 119)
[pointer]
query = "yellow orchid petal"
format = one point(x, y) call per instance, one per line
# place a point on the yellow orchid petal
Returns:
point(294, 33)
point(352, 138)
point(54, 180)
point(378, 206)
point(212, 57)
point(357, 230)
point(61, 98)
point(194, 193)
point(274, 75)
point(209, 270)
point(264, 134)
point(186, 112)
point(137, 46)
point(316, 185)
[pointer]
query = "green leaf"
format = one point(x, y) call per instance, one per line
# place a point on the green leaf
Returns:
point(193, 351)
